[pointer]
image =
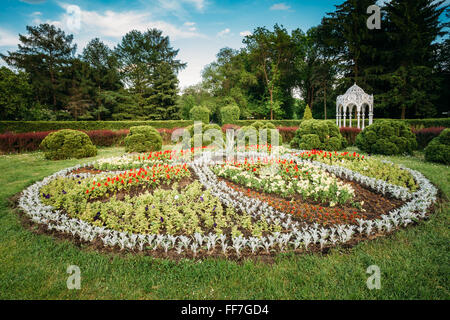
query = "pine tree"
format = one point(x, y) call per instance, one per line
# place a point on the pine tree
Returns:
point(44, 53)
point(412, 28)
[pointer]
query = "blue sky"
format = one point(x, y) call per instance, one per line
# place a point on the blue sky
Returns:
point(199, 28)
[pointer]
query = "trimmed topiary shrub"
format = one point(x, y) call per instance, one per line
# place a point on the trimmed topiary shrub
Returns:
point(204, 135)
point(438, 150)
point(318, 134)
point(388, 137)
point(307, 114)
point(199, 113)
point(66, 144)
point(260, 129)
point(143, 139)
point(425, 135)
point(230, 114)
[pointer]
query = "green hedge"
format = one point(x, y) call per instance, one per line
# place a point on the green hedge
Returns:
point(414, 123)
point(438, 150)
point(35, 126)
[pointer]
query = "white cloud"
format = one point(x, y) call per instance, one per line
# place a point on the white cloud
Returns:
point(245, 33)
point(280, 6)
point(8, 38)
point(199, 4)
point(116, 24)
point(223, 32)
point(189, 23)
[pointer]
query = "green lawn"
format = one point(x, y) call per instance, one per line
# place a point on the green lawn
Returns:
point(414, 262)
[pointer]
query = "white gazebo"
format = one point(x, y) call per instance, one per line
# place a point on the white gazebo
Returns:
point(354, 97)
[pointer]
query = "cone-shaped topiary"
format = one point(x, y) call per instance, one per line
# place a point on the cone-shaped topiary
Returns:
point(66, 144)
point(143, 139)
point(318, 134)
point(230, 114)
point(307, 114)
point(438, 150)
point(388, 137)
point(199, 113)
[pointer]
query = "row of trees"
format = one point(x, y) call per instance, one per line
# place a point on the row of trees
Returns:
point(405, 64)
point(136, 80)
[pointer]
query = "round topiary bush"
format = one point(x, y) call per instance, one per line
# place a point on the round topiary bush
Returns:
point(66, 144)
point(438, 150)
point(388, 137)
point(143, 139)
point(230, 114)
point(318, 134)
point(260, 129)
point(199, 113)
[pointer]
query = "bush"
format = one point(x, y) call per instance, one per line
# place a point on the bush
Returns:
point(318, 134)
point(287, 133)
point(388, 137)
point(199, 113)
point(424, 136)
point(438, 150)
point(66, 144)
point(107, 138)
point(37, 126)
point(350, 134)
point(143, 139)
point(203, 135)
point(230, 114)
point(259, 128)
point(229, 126)
point(307, 114)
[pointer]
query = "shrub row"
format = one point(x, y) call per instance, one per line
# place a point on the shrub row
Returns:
point(425, 135)
point(30, 141)
point(413, 123)
point(350, 133)
point(35, 126)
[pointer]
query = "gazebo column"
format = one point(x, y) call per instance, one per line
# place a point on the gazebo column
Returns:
point(370, 117)
point(358, 111)
point(363, 120)
point(345, 116)
point(350, 117)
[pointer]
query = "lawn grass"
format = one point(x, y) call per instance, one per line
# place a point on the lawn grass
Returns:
point(414, 262)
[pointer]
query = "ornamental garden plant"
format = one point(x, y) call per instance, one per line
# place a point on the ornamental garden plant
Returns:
point(142, 139)
point(200, 202)
point(67, 143)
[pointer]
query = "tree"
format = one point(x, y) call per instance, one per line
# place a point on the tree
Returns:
point(16, 94)
point(139, 54)
point(272, 52)
point(412, 28)
point(44, 54)
point(160, 98)
point(104, 65)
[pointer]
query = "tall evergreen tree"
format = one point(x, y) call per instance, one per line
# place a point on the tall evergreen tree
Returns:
point(412, 28)
point(44, 53)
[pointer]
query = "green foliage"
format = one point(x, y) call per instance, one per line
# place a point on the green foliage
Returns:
point(199, 113)
point(35, 126)
point(438, 150)
point(66, 144)
point(259, 132)
point(16, 93)
point(318, 134)
point(230, 114)
point(143, 139)
point(387, 137)
point(307, 115)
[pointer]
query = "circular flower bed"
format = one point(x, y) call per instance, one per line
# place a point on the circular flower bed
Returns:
point(173, 204)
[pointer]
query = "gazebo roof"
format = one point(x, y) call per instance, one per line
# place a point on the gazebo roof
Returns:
point(355, 95)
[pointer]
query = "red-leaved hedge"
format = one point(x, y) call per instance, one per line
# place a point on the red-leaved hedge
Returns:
point(350, 133)
point(425, 135)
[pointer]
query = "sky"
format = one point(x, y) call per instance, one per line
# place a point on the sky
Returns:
point(198, 28)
